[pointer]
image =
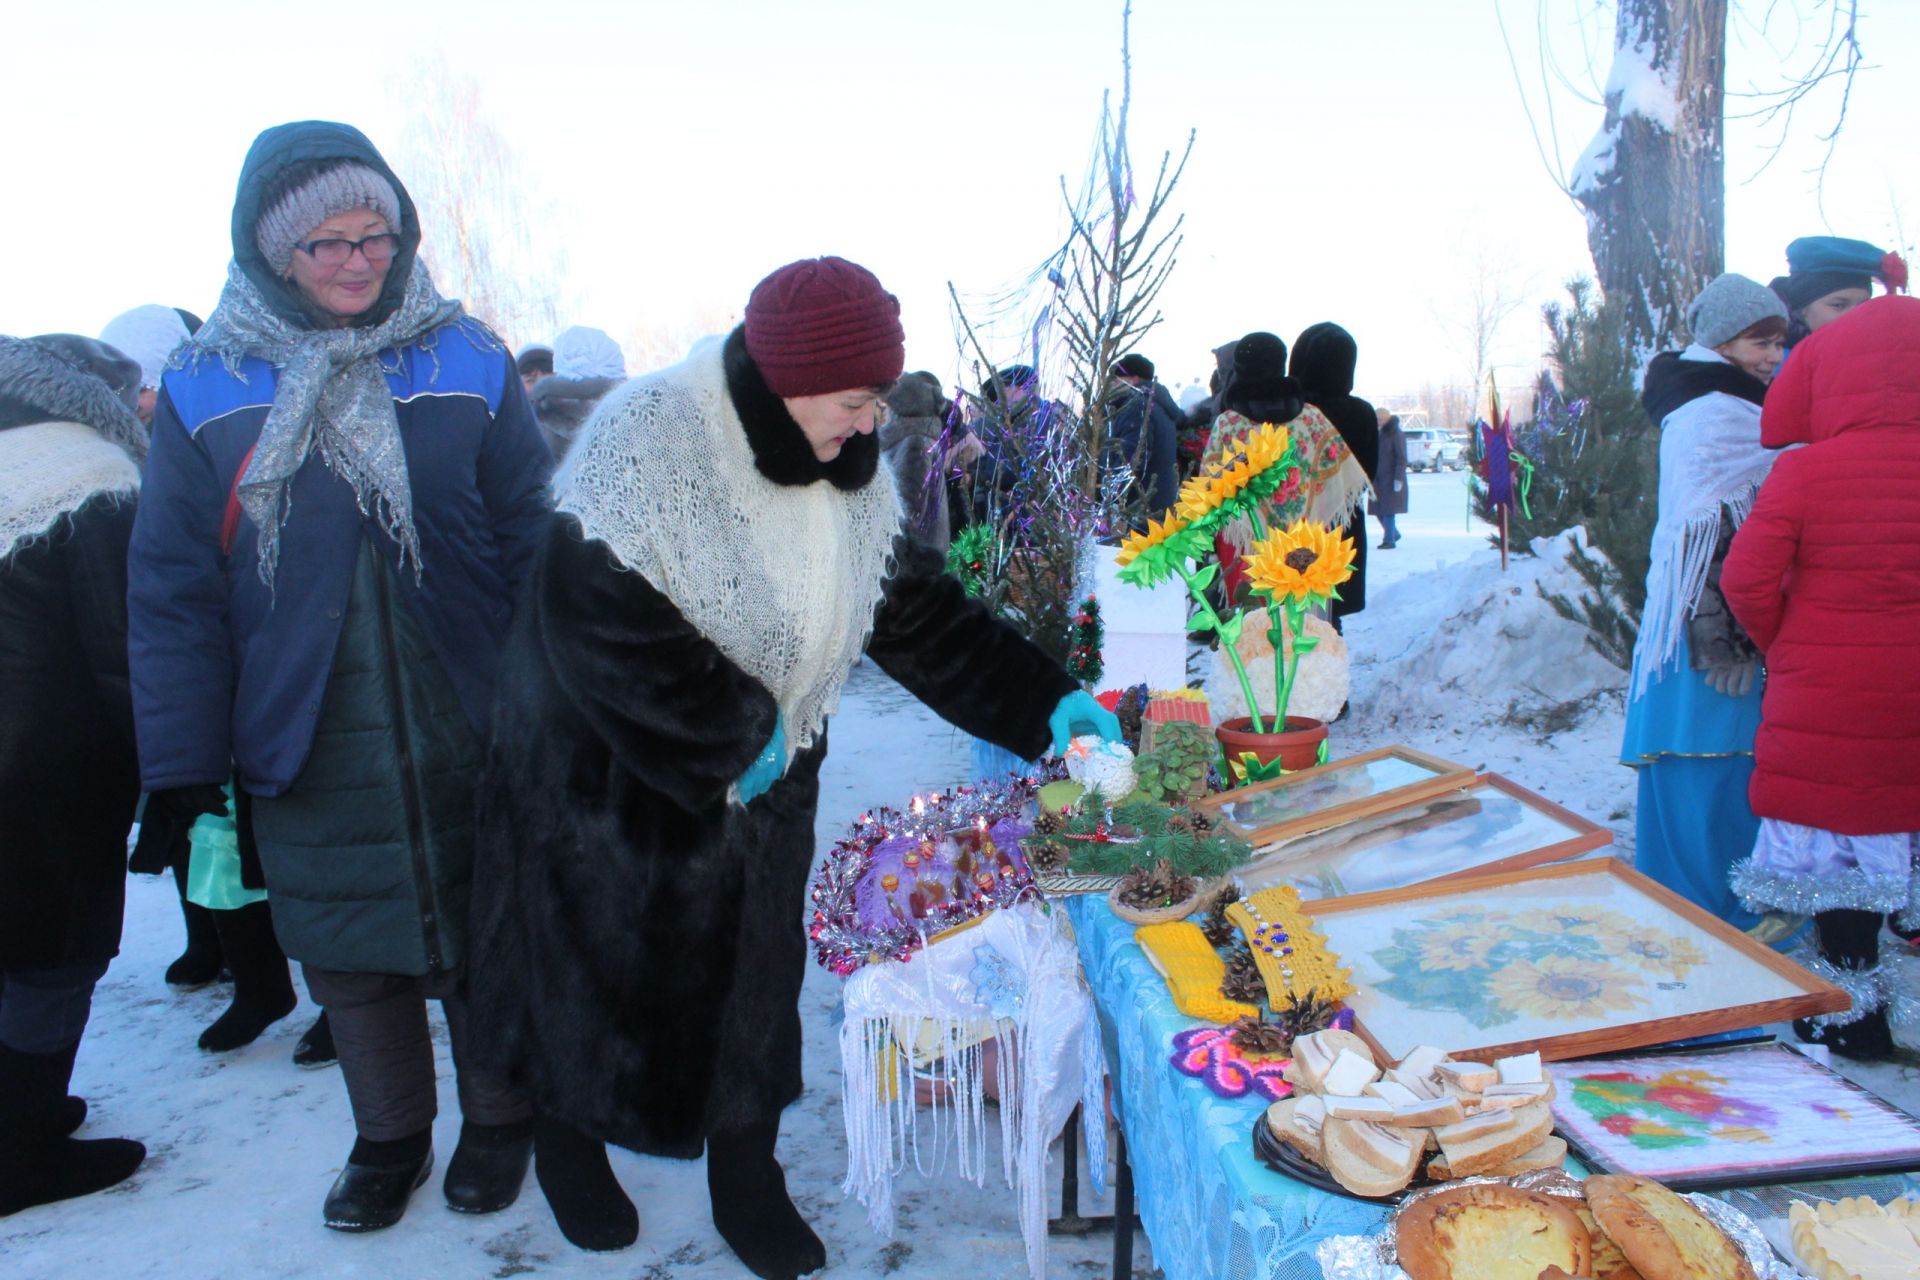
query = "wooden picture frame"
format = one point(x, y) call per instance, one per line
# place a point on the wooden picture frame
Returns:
point(1567, 959)
point(1327, 795)
point(1713, 1116)
point(1490, 824)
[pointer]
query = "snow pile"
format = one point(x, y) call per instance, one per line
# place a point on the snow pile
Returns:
point(1473, 646)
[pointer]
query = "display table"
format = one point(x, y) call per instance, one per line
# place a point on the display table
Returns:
point(1211, 1209)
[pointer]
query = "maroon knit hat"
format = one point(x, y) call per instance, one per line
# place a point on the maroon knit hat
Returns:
point(824, 324)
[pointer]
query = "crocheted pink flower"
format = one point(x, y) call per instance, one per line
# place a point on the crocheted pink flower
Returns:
point(1209, 1055)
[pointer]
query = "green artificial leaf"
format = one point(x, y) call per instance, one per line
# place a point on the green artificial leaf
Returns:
point(1203, 577)
point(1230, 629)
point(1201, 621)
point(1306, 644)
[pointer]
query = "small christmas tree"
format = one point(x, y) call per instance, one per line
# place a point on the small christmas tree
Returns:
point(1085, 643)
point(1595, 459)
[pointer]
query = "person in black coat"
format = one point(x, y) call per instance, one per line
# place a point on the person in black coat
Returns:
point(725, 549)
point(1324, 356)
point(70, 448)
point(1390, 483)
point(1143, 434)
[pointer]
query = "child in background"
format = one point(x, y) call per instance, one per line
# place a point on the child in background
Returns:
point(1825, 576)
point(1695, 693)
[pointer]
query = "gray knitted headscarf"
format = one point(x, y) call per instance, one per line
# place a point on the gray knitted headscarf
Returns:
point(331, 396)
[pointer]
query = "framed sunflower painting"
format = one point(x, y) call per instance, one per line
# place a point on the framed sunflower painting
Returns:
point(1437, 825)
point(1569, 959)
point(1727, 1116)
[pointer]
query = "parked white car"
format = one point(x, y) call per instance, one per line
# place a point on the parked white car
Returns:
point(1432, 449)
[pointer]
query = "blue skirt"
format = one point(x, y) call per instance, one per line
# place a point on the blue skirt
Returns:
point(1693, 749)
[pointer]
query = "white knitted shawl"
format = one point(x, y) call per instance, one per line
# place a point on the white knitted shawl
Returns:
point(52, 468)
point(1710, 458)
point(784, 579)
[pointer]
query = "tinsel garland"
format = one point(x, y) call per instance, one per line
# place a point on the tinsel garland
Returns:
point(1851, 889)
point(1888, 985)
point(1085, 642)
point(866, 905)
point(970, 557)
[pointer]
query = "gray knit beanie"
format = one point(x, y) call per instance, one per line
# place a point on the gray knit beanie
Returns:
point(345, 186)
point(1730, 306)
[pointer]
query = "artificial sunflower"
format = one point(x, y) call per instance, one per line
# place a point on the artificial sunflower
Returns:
point(1564, 988)
point(1248, 473)
point(1304, 561)
point(1156, 533)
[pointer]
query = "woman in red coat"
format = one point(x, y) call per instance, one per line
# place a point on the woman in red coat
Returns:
point(1825, 576)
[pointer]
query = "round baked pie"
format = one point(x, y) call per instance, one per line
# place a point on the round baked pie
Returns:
point(1857, 1239)
point(1490, 1231)
point(1663, 1236)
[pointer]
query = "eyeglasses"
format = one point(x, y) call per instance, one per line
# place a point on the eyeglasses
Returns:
point(334, 253)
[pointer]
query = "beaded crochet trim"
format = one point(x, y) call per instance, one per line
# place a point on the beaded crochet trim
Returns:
point(1291, 955)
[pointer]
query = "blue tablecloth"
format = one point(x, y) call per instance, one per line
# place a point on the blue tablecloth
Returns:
point(1211, 1209)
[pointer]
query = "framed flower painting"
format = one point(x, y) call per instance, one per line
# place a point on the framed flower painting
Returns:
point(1569, 959)
point(1329, 794)
point(1728, 1116)
point(1472, 826)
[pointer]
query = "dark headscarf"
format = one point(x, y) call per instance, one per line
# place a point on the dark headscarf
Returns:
point(1324, 357)
point(1258, 386)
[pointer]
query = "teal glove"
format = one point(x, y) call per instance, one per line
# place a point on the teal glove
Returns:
point(768, 765)
point(1078, 713)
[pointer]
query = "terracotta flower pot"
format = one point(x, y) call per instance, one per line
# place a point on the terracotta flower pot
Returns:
point(1296, 748)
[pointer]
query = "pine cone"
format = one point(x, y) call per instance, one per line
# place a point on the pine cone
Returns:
point(1149, 888)
point(1308, 1014)
point(1254, 1035)
point(1179, 823)
point(1048, 822)
point(1202, 824)
point(1047, 855)
point(1243, 982)
point(1220, 931)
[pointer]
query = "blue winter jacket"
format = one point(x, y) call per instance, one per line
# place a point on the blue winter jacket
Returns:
point(229, 672)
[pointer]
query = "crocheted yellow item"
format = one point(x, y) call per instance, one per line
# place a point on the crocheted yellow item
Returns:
point(1193, 970)
point(1291, 955)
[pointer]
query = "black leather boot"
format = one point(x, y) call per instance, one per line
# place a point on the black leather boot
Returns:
point(587, 1200)
point(372, 1190)
point(488, 1166)
point(262, 987)
point(316, 1049)
point(38, 1163)
point(200, 963)
point(751, 1207)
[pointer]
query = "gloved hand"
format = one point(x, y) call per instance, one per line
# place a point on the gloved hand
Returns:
point(1078, 713)
point(768, 765)
point(1734, 679)
point(165, 821)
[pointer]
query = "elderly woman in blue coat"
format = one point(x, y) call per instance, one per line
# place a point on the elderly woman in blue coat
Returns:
point(345, 489)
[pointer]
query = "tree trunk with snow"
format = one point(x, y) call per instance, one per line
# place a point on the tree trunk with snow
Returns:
point(1653, 181)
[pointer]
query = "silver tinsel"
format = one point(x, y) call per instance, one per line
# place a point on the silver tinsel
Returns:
point(1851, 890)
point(1893, 985)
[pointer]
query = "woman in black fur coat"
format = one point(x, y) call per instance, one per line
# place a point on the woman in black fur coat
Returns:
point(70, 450)
point(725, 549)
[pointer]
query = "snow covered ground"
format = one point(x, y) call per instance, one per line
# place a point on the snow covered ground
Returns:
point(1450, 657)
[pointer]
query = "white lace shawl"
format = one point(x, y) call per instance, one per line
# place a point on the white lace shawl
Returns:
point(52, 468)
point(782, 578)
point(1710, 458)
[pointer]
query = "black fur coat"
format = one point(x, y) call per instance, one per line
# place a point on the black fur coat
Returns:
point(639, 942)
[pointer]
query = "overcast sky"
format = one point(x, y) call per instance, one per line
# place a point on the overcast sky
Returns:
point(1354, 158)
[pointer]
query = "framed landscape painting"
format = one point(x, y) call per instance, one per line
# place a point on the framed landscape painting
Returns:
point(1569, 959)
point(1328, 794)
point(1728, 1116)
point(1486, 824)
